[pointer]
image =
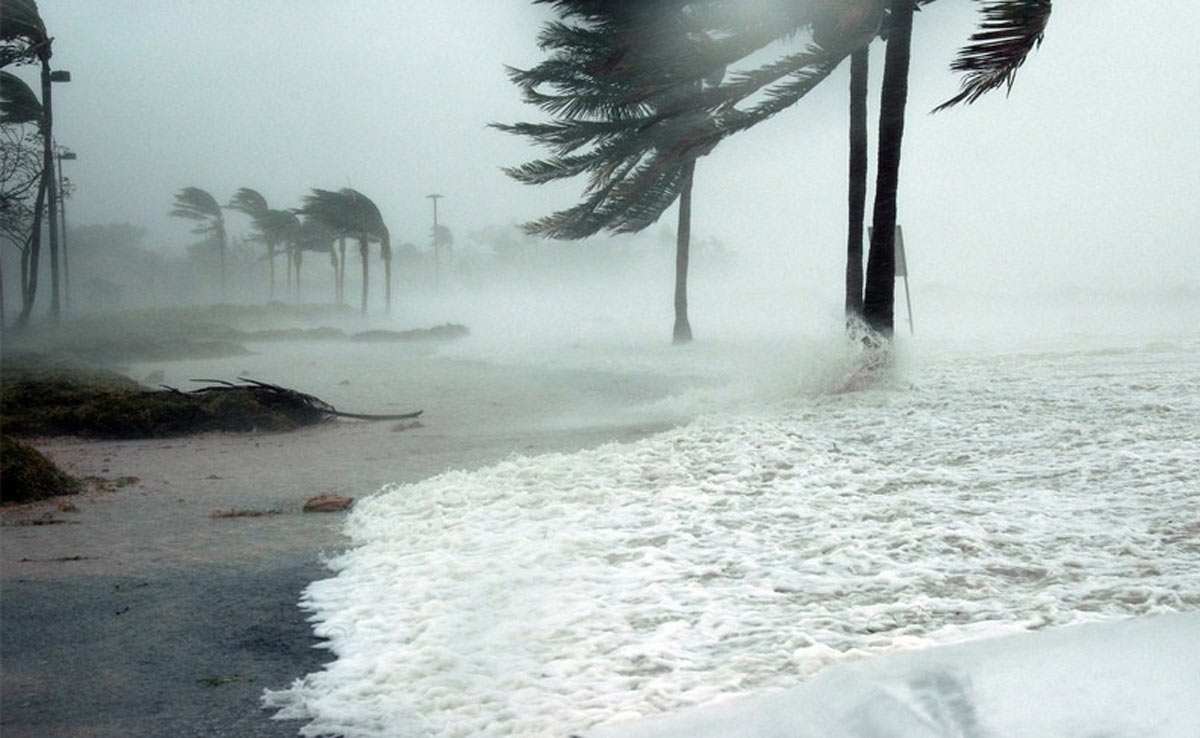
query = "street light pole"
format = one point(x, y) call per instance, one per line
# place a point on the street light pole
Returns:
point(64, 155)
point(48, 175)
point(437, 247)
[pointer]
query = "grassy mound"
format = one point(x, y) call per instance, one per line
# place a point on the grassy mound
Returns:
point(28, 475)
point(62, 400)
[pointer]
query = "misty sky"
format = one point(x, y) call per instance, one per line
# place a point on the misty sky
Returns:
point(1089, 173)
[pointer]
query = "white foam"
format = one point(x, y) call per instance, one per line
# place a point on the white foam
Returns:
point(978, 493)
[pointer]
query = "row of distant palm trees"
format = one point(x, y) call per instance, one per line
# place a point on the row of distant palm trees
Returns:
point(325, 221)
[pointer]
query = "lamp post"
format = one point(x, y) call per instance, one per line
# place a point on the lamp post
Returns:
point(437, 247)
point(64, 155)
point(48, 173)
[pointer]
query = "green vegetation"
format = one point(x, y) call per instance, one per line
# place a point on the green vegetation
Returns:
point(43, 400)
point(29, 476)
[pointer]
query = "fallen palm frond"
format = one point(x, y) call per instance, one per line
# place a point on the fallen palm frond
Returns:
point(41, 401)
point(273, 395)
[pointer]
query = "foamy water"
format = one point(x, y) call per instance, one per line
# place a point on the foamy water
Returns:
point(977, 492)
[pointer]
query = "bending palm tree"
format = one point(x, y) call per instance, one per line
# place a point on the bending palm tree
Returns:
point(23, 38)
point(193, 203)
point(634, 171)
point(19, 106)
point(349, 213)
point(252, 203)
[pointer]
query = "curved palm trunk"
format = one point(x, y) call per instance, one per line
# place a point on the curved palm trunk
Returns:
point(857, 195)
point(363, 251)
point(682, 332)
point(879, 299)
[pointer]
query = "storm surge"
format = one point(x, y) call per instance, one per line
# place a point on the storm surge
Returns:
point(805, 521)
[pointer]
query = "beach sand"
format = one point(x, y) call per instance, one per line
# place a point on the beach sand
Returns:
point(135, 612)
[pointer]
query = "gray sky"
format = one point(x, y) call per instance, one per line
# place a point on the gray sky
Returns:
point(1089, 172)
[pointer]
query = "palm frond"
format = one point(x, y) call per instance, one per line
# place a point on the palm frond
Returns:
point(248, 201)
point(196, 204)
point(22, 33)
point(18, 103)
point(1009, 32)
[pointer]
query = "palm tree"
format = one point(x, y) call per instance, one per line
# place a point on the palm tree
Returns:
point(196, 204)
point(252, 203)
point(636, 170)
point(20, 177)
point(658, 137)
point(351, 214)
point(23, 39)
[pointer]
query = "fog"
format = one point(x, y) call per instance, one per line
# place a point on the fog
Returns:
point(588, 524)
point(1083, 180)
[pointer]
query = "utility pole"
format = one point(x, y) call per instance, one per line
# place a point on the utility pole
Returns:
point(437, 246)
point(48, 172)
point(64, 155)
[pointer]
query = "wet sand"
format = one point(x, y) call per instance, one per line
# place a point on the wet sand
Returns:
point(141, 614)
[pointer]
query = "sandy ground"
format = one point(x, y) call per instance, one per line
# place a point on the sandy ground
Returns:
point(135, 612)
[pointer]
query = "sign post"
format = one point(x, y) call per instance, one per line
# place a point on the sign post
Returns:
point(902, 271)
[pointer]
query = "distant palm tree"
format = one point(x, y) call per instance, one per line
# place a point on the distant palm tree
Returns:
point(252, 203)
point(313, 235)
point(351, 214)
point(196, 204)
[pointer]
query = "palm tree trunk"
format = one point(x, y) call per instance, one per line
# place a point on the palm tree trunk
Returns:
point(271, 262)
point(341, 289)
point(682, 332)
point(879, 299)
point(221, 248)
point(386, 252)
point(33, 253)
point(299, 261)
point(857, 196)
point(363, 250)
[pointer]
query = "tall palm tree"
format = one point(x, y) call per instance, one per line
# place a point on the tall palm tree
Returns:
point(635, 171)
point(193, 203)
point(351, 214)
point(880, 288)
point(660, 137)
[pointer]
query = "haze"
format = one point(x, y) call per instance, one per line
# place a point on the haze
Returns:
point(1085, 177)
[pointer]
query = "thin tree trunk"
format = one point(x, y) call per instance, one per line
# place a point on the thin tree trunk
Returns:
point(682, 332)
point(299, 261)
point(341, 290)
point(33, 254)
point(857, 196)
point(363, 250)
point(879, 299)
point(221, 247)
point(271, 270)
point(386, 251)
